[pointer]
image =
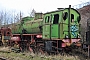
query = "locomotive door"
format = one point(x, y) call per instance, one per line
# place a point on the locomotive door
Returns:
point(54, 26)
point(46, 27)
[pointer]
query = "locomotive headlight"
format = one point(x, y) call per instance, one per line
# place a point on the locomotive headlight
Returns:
point(66, 36)
point(78, 35)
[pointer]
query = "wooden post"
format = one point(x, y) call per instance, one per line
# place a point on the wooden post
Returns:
point(88, 50)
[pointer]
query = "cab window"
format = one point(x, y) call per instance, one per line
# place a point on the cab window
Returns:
point(56, 19)
point(47, 18)
point(72, 17)
point(78, 19)
point(65, 15)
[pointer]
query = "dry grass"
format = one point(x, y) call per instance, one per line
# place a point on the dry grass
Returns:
point(30, 56)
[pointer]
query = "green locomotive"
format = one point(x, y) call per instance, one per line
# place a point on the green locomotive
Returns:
point(29, 25)
point(57, 29)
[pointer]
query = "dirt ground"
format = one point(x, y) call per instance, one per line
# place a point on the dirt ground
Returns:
point(6, 54)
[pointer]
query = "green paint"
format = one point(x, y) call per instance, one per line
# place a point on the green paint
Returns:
point(60, 30)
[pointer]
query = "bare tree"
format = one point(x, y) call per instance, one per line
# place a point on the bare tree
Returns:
point(1, 18)
point(18, 17)
point(6, 18)
point(9, 17)
point(32, 13)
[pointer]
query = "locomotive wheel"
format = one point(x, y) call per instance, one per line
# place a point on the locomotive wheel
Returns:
point(23, 45)
point(39, 49)
point(40, 46)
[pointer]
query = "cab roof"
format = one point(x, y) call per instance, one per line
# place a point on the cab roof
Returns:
point(60, 9)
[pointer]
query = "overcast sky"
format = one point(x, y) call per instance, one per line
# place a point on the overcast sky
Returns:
point(38, 5)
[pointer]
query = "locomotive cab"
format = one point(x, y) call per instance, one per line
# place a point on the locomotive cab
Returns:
point(61, 24)
point(62, 28)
